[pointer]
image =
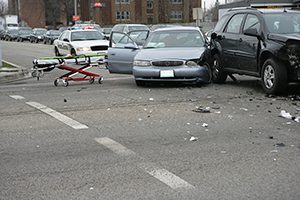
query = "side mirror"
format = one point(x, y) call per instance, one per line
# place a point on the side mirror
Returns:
point(252, 32)
point(66, 40)
point(213, 36)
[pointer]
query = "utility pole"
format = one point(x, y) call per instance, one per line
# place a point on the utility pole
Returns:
point(75, 7)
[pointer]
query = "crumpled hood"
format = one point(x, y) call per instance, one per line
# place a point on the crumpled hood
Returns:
point(284, 37)
point(170, 53)
point(90, 43)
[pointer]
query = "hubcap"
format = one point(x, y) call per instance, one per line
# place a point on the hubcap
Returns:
point(269, 76)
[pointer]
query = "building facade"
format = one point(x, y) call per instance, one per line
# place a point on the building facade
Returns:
point(138, 11)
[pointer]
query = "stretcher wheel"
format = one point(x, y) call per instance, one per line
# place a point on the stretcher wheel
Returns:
point(34, 73)
point(56, 82)
point(66, 83)
point(92, 80)
point(100, 80)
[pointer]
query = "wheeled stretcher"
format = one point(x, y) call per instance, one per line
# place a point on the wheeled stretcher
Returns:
point(85, 62)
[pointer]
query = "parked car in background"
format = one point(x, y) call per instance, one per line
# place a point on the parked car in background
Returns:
point(11, 35)
point(50, 36)
point(87, 26)
point(37, 35)
point(260, 43)
point(178, 54)
point(157, 26)
point(24, 34)
point(80, 42)
point(2, 32)
point(125, 28)
point(106, 32)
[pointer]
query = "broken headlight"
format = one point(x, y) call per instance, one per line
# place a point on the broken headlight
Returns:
point(293, 52)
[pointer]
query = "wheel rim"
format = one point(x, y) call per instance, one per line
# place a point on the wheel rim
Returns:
point(215, 69)
point(269, 76)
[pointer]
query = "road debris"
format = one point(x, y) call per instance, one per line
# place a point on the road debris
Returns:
point(223, 152)
point(285, 114)
point(271, 137)
point(151, 99)
point(202, 110)
point(274, 151)
point(192, 139)
point(65, 100)
point(244, 109)
point(205, 125)
point(280, 144)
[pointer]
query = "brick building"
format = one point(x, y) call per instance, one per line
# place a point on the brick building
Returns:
point(138, 11)
point(33, 13)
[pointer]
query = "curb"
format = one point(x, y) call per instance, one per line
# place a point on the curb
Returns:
point(9, 75)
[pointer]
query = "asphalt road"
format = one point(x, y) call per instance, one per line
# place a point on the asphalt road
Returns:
point(123, 142)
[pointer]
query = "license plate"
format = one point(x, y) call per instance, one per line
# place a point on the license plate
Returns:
point(166, 73)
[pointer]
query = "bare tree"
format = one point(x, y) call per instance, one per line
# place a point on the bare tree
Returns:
point(3, 8)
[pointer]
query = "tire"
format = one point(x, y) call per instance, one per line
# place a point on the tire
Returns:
point(45, 42)
point(36, 41)
point(73, 52)
point(274, 76)
point(100, 80)
point(91, 80)
point(56, 52)
point(56, 82)
point(140, 83)
point(218, 74)
point(31, 41)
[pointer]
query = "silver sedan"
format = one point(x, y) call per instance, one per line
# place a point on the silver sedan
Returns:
point(169, 54)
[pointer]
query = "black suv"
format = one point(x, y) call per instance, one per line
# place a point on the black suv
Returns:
point(263, 44)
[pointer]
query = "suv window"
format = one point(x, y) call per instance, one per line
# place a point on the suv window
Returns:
point(221, 23)
point(234, 24)
point(252, 22)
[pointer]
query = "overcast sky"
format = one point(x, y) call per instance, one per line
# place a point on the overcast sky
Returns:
point(210, 3)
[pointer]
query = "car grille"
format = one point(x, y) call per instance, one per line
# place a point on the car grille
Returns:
point(99, 48)
point(166, 63)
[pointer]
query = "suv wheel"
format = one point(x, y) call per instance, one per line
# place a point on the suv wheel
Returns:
point(218, 74)
point(274, 76)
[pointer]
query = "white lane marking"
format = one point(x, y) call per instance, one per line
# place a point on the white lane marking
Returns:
point(166, 177)
point(67, 120)
point(159, 173)
point(115, 147)
point(17, 97)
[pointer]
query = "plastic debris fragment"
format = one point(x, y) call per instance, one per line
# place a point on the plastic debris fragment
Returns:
point(192, 139)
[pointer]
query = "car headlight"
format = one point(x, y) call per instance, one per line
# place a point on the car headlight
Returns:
point(141, 63)
point(83, 49)
point(191, 63)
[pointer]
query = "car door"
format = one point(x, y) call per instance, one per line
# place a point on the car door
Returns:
point(229, 40)
point(248, 45)
point(121, 52)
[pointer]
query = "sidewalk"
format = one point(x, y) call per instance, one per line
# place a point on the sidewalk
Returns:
point(13, 74)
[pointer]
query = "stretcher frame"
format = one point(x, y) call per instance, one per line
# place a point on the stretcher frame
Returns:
point(47, 64)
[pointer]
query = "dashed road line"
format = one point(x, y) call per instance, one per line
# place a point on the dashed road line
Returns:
point(168, 178)
point(17, 97)
point(163, 175)
point(67, 120)
point(115, 147)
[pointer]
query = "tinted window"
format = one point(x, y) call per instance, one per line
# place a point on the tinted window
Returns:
point(234, 24)
point(252, 22)
point(220, 23)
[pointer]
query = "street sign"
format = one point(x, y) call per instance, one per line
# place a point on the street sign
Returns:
point(76, 18)
point(98, 4)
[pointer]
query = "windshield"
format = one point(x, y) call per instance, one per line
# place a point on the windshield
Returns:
point(283, 23)
point(40, 32)
point(25, 31)
point(137, 28)
point(86, 35)
point(163, 39)
point(55, 32)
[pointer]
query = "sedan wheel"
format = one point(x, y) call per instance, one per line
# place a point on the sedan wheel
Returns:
point(218, 74)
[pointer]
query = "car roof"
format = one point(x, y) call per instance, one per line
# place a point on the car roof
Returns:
point(178, 28)
point(262, 10)
point(130, 24)
point(83, 30)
